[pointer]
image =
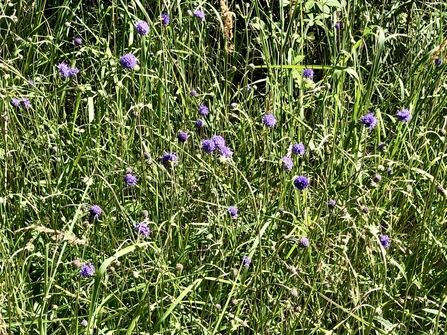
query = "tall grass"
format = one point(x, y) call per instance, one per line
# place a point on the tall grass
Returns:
point(72, 148)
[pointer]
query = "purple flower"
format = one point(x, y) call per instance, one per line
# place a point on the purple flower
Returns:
point(389, 171)
point(193, 93)
point(169, 159)
point(128, 61)
point(78, 41)
point(304, 242)
point(143, 229)
point(438, 61)
point(381, 146)
point(298, 149)
point(287, 163)
point(269, 120)
point(385, 241)
point(199, 14)
point(32, 82)
point(73, 72)
point(301, 182)
point(331, 203)
point(25, 103)
point(219, 141)
point(233, 211)
point(182, 137)
point(441, 190)
point(142, 27)
point(84, 323)
point(337, 25)
point(15, 102)
point(369, 120)
point(64, 70)
point(308, 73)
point(403, 115)
point(130, 179)
point(226, 152)
point(164, 18)
point(199, 124)
point(377, 178)
point(208, 146)
point(246, 261)
point(87, 270)
point(203, 110)
point(95, 211)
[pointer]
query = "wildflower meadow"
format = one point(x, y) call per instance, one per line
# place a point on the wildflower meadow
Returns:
point(223, 167)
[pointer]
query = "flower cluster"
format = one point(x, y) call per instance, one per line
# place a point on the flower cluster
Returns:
point(24, 103)
point(66, 71)
point(128, 61)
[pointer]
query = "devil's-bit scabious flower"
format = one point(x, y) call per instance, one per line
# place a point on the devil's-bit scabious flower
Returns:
point(64, 70)
point(199, 14)
point(308, 73)
point(304, 242)
point(301, 182)
point(128, 61)
point(84, 323)
point(403, 115)
point(226, 152)
point(199, 124)
point(441, 190)
point(331, 203)
point(193, 93)
point(87, 270)
point(130, 179)
point(438, 61)
point(208, 146)
point(233, 211)
point(203, 110)
point(298, 149)
point(369, 120)
point(95, 211)
point(269, 120)
point(377, 178)
point(246, 261)
point(143, 229)
point(337, 25)
point(78, 41)
point(15, 102)
point(182, 137)
point(389, 171)
point(142, 27)
point(219, 141)
point(385, 241)
point(164, 18)
point(25, 103)
point(72, 72)
point(287, 163)
point(169, 159)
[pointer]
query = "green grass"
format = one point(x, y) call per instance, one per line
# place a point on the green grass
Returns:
point(72, 149)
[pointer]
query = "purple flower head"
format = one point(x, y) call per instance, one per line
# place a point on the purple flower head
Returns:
point(142, 27)
point(95, 211)
point(298, 149)
point(164, 18)
point(203, 110)
point(377, 178)
point(308, 73)
point(128, 61)
point(169, 159)
point(381, 146)
point(301, 182)
point(73, 72)
point(25, 103)
point(78, 41)
point(287, 163)
point(226, 152)
point(199, 14)
point(143, 229)
point(87, 270)
point(246, 261)
point(219, 141)
point(182, 137)
point(269, 120)
point(64, 70)
point(199, 124)
point(32, 82)
point(385, 241)
point(331, 203)
point(233, 211)
point(130, 179)
point(84, 323)
point(15, 102)
point(369, 120)
point(337, 25)
point(438, 61)
point(208, 146)
point(389, 171)
point(441, 190)
point(193, 93)
point(403, 115)
point(304, 242)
